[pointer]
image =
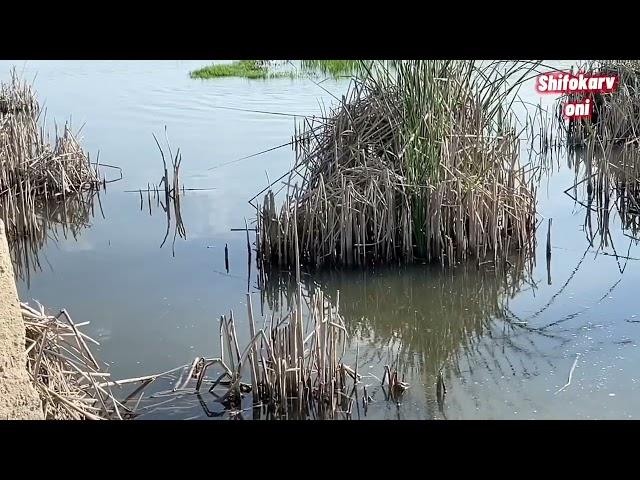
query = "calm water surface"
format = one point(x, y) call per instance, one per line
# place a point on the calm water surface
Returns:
point(152, 311)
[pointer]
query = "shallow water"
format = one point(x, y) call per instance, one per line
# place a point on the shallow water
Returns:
point(152, 311)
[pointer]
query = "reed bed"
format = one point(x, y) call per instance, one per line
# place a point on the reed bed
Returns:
point(64, 371)
point(34, 173)
point(616, 116)
point(292, 367)
point(30, 164)
point(603, 151)
point(417, 162)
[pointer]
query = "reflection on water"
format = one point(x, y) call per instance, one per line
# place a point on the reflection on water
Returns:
point(433, 314)
point(607, 186)
point(51, 220)
point(422, 319)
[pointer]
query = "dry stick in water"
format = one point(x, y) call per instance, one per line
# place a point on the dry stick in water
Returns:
point(575, 362)
point(248, 256)
point(549, 252)
point(254, 355)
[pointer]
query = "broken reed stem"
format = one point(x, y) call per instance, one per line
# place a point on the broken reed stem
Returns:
point(549, 238)
point(254, 355)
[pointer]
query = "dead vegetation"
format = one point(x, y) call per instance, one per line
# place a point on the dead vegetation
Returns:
point(616, 116)
point(41, 181)
point(64, 371)
point(418, 161)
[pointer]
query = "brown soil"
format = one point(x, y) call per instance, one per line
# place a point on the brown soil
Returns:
point(18, 398)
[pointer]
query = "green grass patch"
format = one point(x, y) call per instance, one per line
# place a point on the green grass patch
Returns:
point(253, 69)
point(264, 69)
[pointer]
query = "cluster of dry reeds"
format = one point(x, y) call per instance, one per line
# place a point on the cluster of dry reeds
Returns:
point(604, 151)
point(64, 371)
point(616, 116)
point(418, 161)
point(292, 366)
point(31, 169)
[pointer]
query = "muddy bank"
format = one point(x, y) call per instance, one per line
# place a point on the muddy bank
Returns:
point(18, 398)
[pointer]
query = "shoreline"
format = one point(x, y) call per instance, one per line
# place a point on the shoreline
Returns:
point(19, 400)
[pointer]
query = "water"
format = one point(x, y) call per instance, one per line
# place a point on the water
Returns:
point(152, 311)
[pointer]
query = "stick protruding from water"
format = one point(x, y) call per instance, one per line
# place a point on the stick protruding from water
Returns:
point(549, 251)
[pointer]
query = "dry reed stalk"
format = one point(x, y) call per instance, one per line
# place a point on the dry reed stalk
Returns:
point(172, 196)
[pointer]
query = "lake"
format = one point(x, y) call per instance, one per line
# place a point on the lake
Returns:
point(505, 343)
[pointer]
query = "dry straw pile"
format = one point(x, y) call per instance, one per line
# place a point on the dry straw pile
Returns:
point(419, 160)
point(64, 371)
point(33, 170)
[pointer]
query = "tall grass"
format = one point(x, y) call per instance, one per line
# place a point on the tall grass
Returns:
point(419, 160)
point(335, 68)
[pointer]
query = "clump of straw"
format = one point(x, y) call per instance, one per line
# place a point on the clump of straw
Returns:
point(32, 169)
point(64, 371)
point(420, 160)
point(17, 97)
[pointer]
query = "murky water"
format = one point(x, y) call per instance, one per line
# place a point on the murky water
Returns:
point(505, 344)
